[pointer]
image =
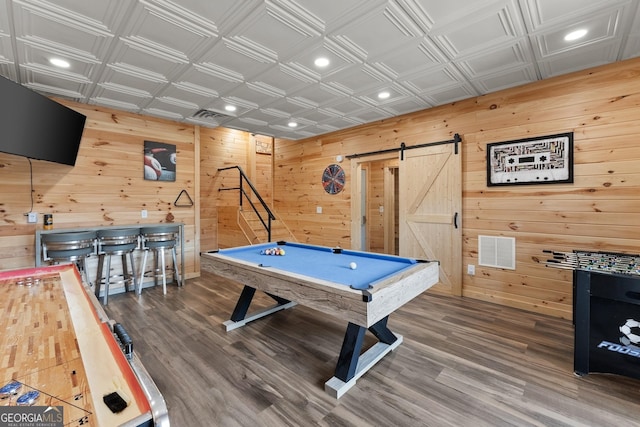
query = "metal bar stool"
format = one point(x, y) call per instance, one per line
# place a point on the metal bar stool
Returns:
point(69, 247)
point(121, 243)
point(158, 239)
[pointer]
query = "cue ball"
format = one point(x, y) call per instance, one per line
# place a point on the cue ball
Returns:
point(353, 265)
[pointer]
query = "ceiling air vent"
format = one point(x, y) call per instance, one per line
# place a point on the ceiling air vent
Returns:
point(209, 115)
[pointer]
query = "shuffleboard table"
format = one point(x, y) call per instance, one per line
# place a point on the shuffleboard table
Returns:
point(59, 347)
point(323, 279)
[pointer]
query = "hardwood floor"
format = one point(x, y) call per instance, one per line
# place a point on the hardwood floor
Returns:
point(462, 363)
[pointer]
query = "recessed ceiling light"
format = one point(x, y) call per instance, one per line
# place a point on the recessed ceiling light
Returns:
point(321, 62)
point(230, 108)
point(575, 35)
point(292, 124)
point(384, 95)
point(59, 62)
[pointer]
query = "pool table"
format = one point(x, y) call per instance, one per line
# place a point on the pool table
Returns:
point(322, 278)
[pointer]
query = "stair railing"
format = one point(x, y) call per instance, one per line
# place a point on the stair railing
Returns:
point(244, 195)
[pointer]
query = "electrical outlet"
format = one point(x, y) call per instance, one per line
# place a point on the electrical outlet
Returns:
point(32, 217)
point(319, 209)
point(471, 270)
point(143, 213)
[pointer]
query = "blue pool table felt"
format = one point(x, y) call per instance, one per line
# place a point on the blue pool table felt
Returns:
point(322, 263)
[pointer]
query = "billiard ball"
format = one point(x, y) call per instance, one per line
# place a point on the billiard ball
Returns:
point(353, 265)
point(152, 168)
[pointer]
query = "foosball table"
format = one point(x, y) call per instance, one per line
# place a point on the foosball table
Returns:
point(606, 310)
point(603, 262)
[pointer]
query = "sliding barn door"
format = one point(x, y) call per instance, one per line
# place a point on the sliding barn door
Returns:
point(430, 211)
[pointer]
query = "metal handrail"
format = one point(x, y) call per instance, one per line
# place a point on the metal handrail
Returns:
point(243, 177)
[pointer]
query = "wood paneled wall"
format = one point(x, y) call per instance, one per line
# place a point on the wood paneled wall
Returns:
point(261, 166)
point(597, 212)
point(299, 194)
point(105, 187)
point(221, 148)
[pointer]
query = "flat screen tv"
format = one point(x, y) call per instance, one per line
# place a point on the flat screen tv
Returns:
point(34, 126)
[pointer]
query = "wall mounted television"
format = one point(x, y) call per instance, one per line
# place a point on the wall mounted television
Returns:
point(34, 126)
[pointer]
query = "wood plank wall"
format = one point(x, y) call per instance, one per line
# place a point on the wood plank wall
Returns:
point(261, 169)
point(221, 148)
point(299, 194)
point(105, 187)
point(597, 212)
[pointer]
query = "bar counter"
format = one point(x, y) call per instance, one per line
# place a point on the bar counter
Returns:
point(40, 232)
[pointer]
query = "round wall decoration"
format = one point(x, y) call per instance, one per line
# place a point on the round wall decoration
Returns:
point(333, 179)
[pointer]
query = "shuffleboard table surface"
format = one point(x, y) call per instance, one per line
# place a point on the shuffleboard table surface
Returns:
point(54, 341)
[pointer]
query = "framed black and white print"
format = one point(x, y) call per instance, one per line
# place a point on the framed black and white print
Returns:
point(540, 160)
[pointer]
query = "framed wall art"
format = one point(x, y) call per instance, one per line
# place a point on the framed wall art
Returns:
point(540, 160)
point(159, 161)
point(263, 146)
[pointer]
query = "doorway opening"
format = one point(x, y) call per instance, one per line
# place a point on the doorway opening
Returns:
point(378, 205)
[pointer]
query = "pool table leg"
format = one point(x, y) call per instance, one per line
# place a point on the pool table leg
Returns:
point(351, 364)
point(239, 316)
point(382, 332)
point(243, 303)
point(350, 352)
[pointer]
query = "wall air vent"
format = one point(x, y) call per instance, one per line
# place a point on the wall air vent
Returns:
point(497, 252)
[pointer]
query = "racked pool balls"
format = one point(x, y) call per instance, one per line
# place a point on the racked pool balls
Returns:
point(273, 251)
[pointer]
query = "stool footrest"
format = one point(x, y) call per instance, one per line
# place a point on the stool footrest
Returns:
point(159, 271)
point(127, 278)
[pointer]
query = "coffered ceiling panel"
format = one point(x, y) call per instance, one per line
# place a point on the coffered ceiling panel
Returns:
point(483, 29)
point(510, 55)
point(562, 64)
point(156, 30)
point(238, 58)
point(510, 77)
point(540, 13)
point(454, 93)
point(410, 58)
point(280, 81)
point(250, 64)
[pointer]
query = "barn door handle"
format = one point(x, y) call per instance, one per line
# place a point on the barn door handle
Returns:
point(455, 220)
